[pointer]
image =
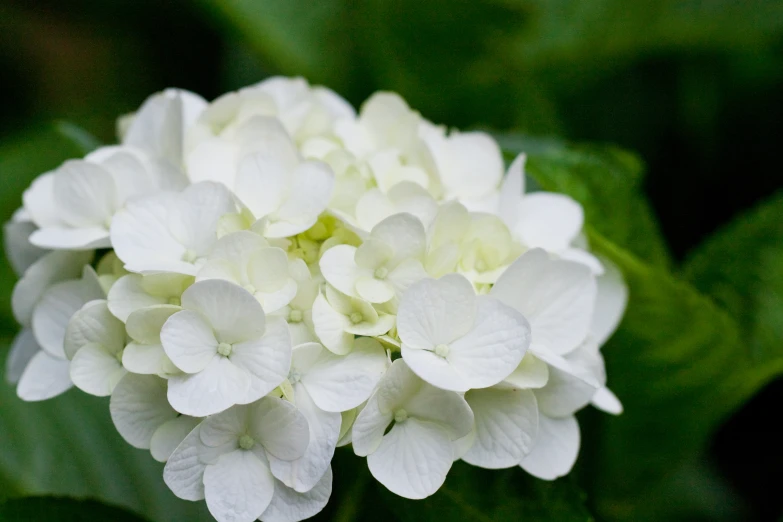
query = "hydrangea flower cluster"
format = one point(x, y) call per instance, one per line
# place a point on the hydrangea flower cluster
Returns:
point(258, 280)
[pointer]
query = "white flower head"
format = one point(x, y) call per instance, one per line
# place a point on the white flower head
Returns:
point(225, 459)
point(456, 340)
point(384, 265)
point(229, 351)
point(426, 422)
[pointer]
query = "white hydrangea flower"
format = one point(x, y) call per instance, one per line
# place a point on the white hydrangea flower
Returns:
point(338, 318)
point(246, 259)
point(170, 231)
point(229, 351)
point(456, 340)
point(74, 205)
point(271, 254)
point(426, 421)
point(145, 419)
point(225, 458)
point(134, 291)
point(543, 219)
point(385, 264)
point(286, 195)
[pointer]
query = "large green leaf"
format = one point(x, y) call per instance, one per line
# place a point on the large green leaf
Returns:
point(740, 268)
point(55, 509)
point(68, 446)
point(680, 365)
point(606, 180)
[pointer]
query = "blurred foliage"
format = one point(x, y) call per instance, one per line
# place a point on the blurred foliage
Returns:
point(61, 510)
point(694, 87)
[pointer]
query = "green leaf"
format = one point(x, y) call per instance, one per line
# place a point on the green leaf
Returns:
point(679, 364)
point(606, 180)
point(740, 268)
point(68, 446)
point(481, 495)
point(82, 139)
point(62, 510)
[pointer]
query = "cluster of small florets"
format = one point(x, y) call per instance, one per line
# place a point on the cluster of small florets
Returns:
point(258, 280)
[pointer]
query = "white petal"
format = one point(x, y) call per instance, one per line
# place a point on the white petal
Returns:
point(330, 327)
point(44, 377)
point(371, 423)
point(94, 324)
point(339, 269)
point(556, 297)
point(374, 290)
point(313, 182)
point(20, 252)
point(448, 409)
point(188, 341)
point(506, 427)
point(406, 274)
point(184, 471)
point(213, 159)
point(39, 201)
point(220, 385)
point(493, 348)
point(267, 360)
point(141, 237)
point(170, 435)
point(234, 314)
point(568, 390)
point(404, 234)
point(225, 428)
point(127, 295)
point(50, 269)
point(511, 191)
point(261, 183)
point(532, 372)
point(267, 269)
point(95, 371)
point(139, 407)
point(549, 221)
point(279, 427)
point(304, 473)
point(413, 459)
point(85, 238)
point(144, 325)
point(340, 383)
point(85, 194)
point(555, 450)
point(288, 505)
point(439, 311)
point(607, 401)
point(610, 303)
point(22, 351)
point(194, 216)
point(238, 488)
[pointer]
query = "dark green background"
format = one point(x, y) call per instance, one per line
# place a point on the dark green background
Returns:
point(694, 87)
